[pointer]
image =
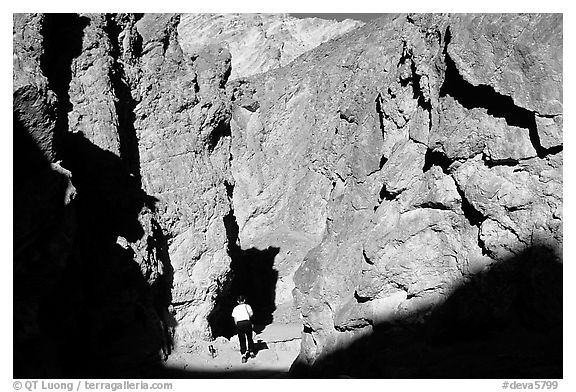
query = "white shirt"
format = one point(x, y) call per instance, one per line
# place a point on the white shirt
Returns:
point(242, 312)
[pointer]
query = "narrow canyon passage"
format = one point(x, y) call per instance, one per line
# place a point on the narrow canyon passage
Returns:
point(252, 275)
point(387, 196)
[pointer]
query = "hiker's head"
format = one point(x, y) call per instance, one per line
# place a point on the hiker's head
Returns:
point(241, 299)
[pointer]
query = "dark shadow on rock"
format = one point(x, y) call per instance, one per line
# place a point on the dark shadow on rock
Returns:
point(125, 103)
point(43, 230)
point(505, 322)
point(252, 274)
point(162, 289)
point(107, 315)
point(92, 287)
point(31, 158)
point(496, 105)
point(63, 34)
point(128, 318)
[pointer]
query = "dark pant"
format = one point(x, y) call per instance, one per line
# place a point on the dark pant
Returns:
point(244, 329)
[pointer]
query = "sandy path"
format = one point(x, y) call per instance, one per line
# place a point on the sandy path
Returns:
point(278, 346)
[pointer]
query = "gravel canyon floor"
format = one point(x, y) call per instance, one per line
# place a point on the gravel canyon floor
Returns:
point(277, 347)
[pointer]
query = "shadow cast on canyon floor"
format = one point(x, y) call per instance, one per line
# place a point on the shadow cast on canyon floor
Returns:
point(505, 322)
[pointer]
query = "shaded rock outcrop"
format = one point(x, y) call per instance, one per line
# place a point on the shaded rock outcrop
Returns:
point(410, 176)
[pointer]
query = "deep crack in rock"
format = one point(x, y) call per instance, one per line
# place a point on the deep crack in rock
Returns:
point(495, 104)
point(474, 217)
point(62, 34)
point(124, 102)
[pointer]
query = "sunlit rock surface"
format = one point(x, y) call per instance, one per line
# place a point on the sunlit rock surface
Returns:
point(395, 187)
point(258, 42)
point(416, 179)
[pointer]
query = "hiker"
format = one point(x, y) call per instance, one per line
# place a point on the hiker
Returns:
point(242, 315)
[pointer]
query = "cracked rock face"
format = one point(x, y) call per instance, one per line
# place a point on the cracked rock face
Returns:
point(406, 159)
point(183, 142)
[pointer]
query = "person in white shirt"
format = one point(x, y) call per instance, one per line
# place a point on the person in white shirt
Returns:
point(242, 315)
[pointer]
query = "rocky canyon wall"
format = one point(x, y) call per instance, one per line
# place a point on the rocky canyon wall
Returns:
point(396, 189)
point(416, 164)
point(105, 294)
point(139, 251)
point(123, 223)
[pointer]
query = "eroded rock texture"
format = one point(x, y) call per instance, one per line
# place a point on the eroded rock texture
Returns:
point(98, 260)
point(123, 190)
point(413, 162)
point(398, 189)
point(258, 42)
point(136, 257)
point(183, 142)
